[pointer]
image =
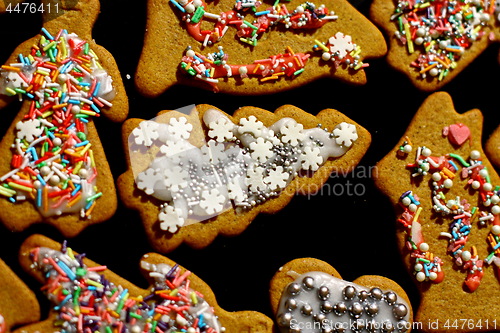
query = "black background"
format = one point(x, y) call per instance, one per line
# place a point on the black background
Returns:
point(354, 233)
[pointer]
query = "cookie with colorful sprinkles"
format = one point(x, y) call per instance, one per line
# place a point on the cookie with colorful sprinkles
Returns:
point(493, 147)
point(88, 297)
point(54, 168)
point(308, 295)
point(18, 304)
point(431, 42)
point(199, 173)
point(446, 195)
point(251, 47)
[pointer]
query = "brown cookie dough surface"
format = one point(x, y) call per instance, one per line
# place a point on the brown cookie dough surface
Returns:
point(18, 304)
point(493, 147)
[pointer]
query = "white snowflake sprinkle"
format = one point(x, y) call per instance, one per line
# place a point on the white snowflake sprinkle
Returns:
point(212, 201)
point(250, 125)
point(146, 133)
point(176, 178)
point(292, 133)
point(341, 43)
point(214, 152)
point(221, 130)
point(29, 129)
point(180, 128)
point(261, 150)
point(255, 179)
point(345, 134)
point(277, 178)
point(147, 180)
point(170, 218)
point(311, 158)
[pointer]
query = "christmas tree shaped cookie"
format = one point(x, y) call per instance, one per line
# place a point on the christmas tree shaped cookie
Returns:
point(201, 173)
point(53, 168)
point(446, 195)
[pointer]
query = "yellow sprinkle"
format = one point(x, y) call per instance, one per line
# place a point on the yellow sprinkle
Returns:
point(20, 187)
point(7, 191)
point(408, 38)
point(321, 45)
point(417, 214)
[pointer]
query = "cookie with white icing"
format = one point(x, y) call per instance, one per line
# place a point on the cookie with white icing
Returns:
point(88, 296)
point(431, 44)
point(18, 304)
point(253, 47)
point(446, 195)
point(309, 296)
point(198, 174)
point(53, 168)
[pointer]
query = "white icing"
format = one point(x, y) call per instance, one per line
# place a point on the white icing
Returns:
point(241, 165)
point(301, 309)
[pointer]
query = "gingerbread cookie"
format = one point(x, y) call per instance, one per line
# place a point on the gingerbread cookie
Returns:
point(493, 147)
point(196, 175)
point(88, 297)
point(308, 295)
point(18, 304)
point(249, 47)
point(53, 168)
point(432, 41)
point(446, 195)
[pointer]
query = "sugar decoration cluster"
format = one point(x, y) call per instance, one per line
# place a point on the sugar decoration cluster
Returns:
point(441, 31)
point(339, 49)
point(86, 301)
point(464, 216)
point(240, 165)
point(52, 159)
point(317, 302)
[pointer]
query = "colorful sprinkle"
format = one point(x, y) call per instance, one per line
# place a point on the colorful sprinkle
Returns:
point(64, 84)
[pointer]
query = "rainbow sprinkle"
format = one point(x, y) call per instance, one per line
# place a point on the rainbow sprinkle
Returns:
point(52, 162)
point(86, 301)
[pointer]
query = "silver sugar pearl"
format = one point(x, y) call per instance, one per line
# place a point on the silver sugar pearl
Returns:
point(363, 295)
point(390, 297)
point(308, 283)
point(294, 288)
point(327, 329)
point(291, 304)
point(349, 292)
point(326, 307)
point(372, 309)
point(285, 319)
point(376, 293)
point(400, 311)
point(358, 325)
point(295, 329)
point(323, 293)
point(403, 326)
point(320, 317)
point(387, 327)
point(371, 326)
point(340, 308)
point(356, 309)
point(306, 310)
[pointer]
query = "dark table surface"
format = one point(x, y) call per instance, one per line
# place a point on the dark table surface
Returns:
point(354, 231)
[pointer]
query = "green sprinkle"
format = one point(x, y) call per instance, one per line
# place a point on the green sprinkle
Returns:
point(460, 159)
